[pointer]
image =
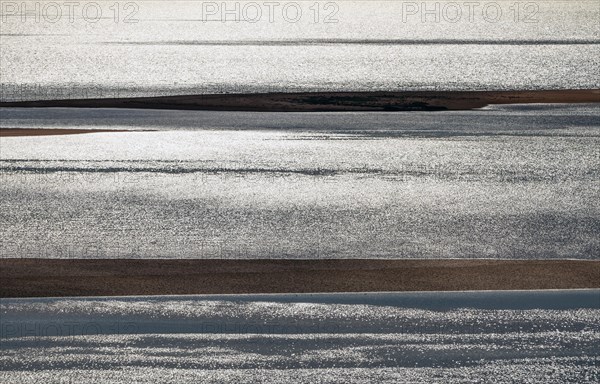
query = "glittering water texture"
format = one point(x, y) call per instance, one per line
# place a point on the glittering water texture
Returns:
point(177, 48)
point(388, 337)
point(511, 182)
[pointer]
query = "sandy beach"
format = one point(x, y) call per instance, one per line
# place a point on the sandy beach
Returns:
point(330, 101)
point(77, 277)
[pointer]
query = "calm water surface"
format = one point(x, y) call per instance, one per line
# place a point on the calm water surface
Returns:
point(515, 182)
point(166, 47)
point(497, 337)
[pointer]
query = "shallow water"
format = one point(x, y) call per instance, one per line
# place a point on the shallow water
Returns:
point(518, 182)
point(388, 337)
point(176, 48)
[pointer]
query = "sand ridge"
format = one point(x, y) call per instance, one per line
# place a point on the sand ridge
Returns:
point(109, 277)
point(330, 101)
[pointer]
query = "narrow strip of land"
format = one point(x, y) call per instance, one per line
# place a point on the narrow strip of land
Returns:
point(330, 101)
point(110, 277)
point(14, 132)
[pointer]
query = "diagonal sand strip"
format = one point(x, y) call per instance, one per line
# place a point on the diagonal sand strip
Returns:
point(15, 132)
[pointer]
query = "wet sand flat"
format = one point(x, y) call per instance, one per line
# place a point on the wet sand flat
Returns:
point(103, 277)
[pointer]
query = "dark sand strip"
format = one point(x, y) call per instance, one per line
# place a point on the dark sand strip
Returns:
point(331, 101)
point(14, 132)
point(106, 277)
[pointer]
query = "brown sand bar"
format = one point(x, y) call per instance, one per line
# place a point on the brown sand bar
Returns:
point(107, 277)
point(331, 101)
point(14, 132)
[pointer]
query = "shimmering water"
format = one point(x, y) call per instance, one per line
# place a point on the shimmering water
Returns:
point(458, 337)
point(506, 182)
point(166, 47)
